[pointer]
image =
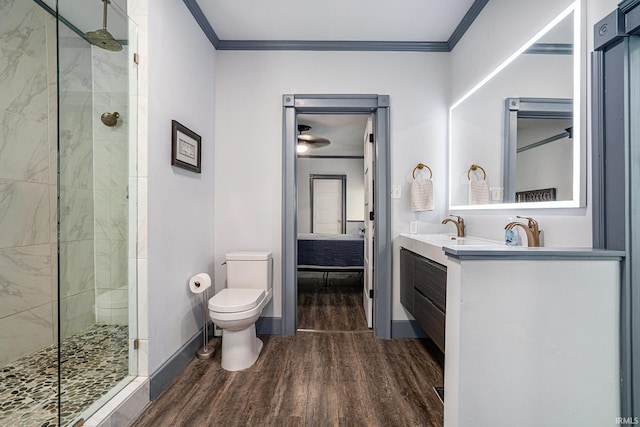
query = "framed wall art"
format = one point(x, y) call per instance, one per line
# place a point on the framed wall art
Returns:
point(185, 147)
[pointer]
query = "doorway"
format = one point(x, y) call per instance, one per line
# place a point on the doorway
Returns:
point(376, 106)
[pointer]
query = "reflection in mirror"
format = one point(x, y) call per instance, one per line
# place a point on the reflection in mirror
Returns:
point(519, 145)
point(538, 161)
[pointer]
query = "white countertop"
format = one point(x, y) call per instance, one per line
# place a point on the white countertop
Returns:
point(439, 247)
point(432, 245)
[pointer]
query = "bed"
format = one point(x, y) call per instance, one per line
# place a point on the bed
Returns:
point(331, 253)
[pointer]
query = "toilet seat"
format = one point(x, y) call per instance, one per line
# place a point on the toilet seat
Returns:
point(235, 300)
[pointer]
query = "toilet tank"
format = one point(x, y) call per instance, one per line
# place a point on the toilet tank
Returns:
point(249, 270)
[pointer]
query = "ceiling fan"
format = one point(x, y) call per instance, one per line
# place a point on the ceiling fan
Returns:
point(306, 141)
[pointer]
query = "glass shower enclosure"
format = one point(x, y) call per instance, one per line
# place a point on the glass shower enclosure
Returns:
point(68, 160)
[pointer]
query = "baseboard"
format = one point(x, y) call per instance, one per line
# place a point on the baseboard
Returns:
point(269, 326)
point(170, 369)
point(406, 329)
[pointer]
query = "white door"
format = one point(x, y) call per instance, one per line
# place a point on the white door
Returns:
point(327, 206)
point(368, 223)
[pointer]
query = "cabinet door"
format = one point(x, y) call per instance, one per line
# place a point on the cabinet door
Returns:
point(430, 318)
point(430, 279)
point(406, 279)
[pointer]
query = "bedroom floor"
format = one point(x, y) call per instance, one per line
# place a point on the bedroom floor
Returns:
point(334, 307)
point(337, 375)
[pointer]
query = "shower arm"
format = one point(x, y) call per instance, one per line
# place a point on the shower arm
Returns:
point(104, 14)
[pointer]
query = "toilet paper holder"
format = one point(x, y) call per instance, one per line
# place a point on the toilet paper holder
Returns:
point(196, 285)
point(205, 352)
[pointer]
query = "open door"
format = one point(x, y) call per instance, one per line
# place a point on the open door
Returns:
point(369, 223)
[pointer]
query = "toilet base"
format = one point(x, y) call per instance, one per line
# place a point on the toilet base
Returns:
point(240, 349)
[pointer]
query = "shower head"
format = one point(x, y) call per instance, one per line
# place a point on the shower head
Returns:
point(110, 119)
point(102, 38)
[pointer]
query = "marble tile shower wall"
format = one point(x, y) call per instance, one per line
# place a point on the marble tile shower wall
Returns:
point(111, 162)
point(27, 181)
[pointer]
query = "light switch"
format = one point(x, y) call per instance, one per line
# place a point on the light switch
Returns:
point(396, 191)
point(413, 227)
point(497, 194)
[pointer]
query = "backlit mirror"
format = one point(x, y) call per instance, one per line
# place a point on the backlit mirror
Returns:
point(514, 139)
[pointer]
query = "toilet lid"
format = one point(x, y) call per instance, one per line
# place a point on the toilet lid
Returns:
point(234, 300)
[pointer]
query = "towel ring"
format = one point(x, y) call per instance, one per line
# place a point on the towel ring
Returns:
point(474, 168)
point(420, 167)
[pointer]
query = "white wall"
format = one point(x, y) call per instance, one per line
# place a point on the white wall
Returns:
point(180, 202)
point(352, 168)
point(248, 170)
point(491, 39)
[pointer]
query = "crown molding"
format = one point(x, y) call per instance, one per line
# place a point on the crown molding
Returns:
point(203, 22)
point(466, 22)
point(329, 45)
point(551, 49)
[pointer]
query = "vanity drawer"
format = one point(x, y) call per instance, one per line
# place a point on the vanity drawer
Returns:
point(407, 261)
point(430, 278)
point(430, 318)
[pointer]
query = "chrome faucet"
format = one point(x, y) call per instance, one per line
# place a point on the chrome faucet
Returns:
point(531, 229)
point(459, 224)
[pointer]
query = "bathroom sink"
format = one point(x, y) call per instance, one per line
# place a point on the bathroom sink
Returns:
point(472, 241)
point(430, 245)
point(448, 240)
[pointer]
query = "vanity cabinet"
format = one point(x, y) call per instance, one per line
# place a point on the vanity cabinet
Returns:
point(531, 333)
point(407, 259)
point(423, 289)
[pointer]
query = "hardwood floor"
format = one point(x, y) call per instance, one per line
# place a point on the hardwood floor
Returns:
point(345, 377)
point(334, 307)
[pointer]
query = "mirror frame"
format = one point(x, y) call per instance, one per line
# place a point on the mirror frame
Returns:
point(580, 146)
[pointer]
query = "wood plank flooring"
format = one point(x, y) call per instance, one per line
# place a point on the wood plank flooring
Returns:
point(346, 377)
point(334, 307)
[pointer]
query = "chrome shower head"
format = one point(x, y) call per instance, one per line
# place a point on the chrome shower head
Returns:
point(110, 119)
point(102, 38)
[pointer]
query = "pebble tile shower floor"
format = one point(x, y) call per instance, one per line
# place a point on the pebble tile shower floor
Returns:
point(92, 362)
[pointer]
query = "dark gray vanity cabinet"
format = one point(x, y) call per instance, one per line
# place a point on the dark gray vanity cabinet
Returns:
point(423, 292)
point(407, 261)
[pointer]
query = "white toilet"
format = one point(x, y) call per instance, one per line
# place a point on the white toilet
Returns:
point(236, 308)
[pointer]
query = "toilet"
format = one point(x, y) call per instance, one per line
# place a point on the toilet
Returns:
point(236, 308)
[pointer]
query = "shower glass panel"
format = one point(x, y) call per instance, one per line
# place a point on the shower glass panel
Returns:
point(28, 278)
point(67, 210)
point(96, 203)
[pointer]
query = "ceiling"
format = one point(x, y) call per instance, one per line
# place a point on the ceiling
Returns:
point(345, 131)
point(336, 20)
point(409, 21)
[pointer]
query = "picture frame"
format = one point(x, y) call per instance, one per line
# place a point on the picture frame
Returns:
point(186, 148)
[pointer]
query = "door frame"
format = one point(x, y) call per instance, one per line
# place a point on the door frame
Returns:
point(378, 106)
point(343, 214)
